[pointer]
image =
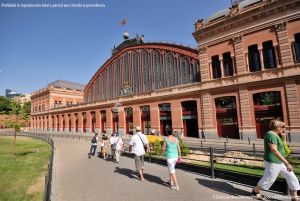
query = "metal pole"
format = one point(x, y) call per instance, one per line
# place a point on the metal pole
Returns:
point(225, 147)
point(254, 151)
point(212, 163)
point(249, 140)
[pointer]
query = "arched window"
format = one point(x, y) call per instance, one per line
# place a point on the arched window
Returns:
point(146, 70)
point(126, 69)
point(157, 68)
point(135, 71)
point(186, 73)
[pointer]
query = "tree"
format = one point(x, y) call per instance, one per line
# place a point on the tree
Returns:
point(4, 105)
point(16, 125)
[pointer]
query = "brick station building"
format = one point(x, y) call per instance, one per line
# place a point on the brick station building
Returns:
point(245, 72)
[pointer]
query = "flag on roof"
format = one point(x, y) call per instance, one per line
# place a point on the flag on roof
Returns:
point(123, 22)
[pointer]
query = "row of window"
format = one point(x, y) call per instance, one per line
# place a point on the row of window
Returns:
point(267, 58)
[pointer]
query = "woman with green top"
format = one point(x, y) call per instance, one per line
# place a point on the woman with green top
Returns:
point(275, 162)
point(172, 148)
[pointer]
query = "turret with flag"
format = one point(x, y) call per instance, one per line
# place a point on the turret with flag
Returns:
point(123, 22)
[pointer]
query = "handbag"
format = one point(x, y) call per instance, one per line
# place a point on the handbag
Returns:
point(145, 145)
point(179, 160)
point(286, 149)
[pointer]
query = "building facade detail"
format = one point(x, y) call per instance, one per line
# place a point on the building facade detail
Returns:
point(245, 72)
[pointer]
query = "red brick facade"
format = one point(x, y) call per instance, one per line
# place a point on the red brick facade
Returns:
point(245, 72)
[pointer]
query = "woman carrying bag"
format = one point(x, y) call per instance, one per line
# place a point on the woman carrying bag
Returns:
point(275, 151)
point(172, 148)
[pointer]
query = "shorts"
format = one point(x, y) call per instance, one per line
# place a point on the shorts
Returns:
point(139, 162)
point(171, 164)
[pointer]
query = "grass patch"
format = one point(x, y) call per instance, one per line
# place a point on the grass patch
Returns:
point(20, 178)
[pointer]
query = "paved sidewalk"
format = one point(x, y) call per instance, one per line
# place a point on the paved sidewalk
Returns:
point(77, 178)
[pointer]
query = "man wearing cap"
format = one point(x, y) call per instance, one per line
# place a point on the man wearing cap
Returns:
point(137, 144)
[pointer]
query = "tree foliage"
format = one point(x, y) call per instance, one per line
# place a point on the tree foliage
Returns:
point(11, 107)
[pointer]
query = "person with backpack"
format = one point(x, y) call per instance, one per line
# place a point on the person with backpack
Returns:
point(93, 145)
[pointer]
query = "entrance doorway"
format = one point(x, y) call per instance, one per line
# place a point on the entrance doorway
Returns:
point(145, 119)
point(129, 120)
point(267, 106)
point(226, 113)
point(165, 117)
point(190, 119)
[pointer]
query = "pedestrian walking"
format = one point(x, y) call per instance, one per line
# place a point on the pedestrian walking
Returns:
point(119, 147)
point(275, 162)
point(104, 146)
point(113, 144)
point(173, 154)
point(93, 148)
point(136, 145)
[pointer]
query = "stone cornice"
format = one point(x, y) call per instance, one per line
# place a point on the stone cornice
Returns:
point(281, 26)
point(247, 30)
point(265, 12)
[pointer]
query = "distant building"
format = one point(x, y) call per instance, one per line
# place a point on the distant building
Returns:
point(10, 93)
point(21, 99)
point(57, 95)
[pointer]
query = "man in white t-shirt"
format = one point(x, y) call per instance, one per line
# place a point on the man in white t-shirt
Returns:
point(137, 144)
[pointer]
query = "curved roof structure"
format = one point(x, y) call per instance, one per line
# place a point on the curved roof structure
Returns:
point(137, 67)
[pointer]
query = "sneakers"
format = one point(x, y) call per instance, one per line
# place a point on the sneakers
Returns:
point(257, 196)
point(175, 188)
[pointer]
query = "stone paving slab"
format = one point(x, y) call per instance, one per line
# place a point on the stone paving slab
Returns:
point(77, 178)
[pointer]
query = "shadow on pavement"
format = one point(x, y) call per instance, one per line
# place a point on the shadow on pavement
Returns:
point(127, 172)
point(155, 179)
point(133, 175)
point(223, 187)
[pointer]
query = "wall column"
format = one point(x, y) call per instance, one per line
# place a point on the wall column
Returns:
point(209, 129)
point(239, 55)
point(122, 122)
point(98, 121)
point(88, 122)
point(136, 117)
point(204, 70)
point(176, 113)
point(285, 50)
point(248, 129)
point(109, 122)
point(293, 105)
point(261, 55)
point(73, 122)
point(154, 116)
point(80, 122)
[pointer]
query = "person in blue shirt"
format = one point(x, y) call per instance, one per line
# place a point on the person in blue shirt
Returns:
point(172, 148)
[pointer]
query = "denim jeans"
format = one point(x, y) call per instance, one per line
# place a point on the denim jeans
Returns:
point(93, 149)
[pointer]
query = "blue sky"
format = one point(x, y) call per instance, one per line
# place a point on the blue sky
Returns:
point(41, 45)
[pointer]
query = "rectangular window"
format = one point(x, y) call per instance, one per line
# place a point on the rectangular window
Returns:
point(228, 64)
point(297, 47)
point(269, 55)
point(254, 58)
point(216, 67)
